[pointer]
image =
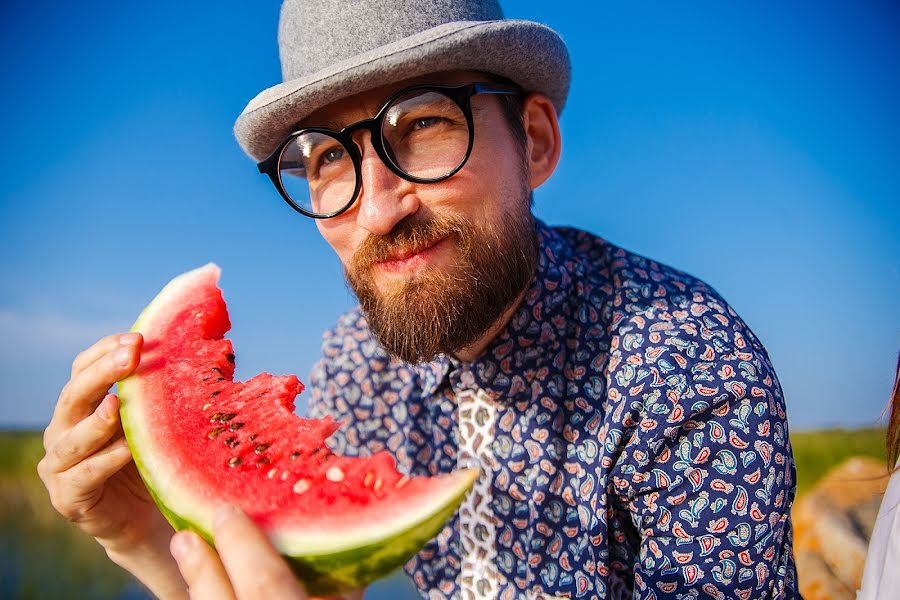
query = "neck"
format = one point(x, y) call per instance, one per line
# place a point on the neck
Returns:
point(474, 350)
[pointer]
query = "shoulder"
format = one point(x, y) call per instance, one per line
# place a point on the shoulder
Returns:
point(638, 282)
point(356, 382)
point(879, 578)
point(684, 365)
point(648, 301)
point(676, 355)
point(353, 361)
point(350, 337)
point(627, 303)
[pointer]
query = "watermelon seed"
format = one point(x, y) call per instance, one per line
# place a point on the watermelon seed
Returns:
point(216, 417)
point(228, 416)
point(231, 442)
point(207, 405)
point(261, 448)
point(235, 426)
point(263, 460)
point(206, 379)
point(252, 437)
point(272, 473)
point(402, 481)
point(220, 379)
point(294, 455)
point(301, 486)
point(334, 474)
point(230, 357)
point(234, 461)
point(215, 432)
point(369, 477)
point(377, 485)
point(284, 475)
point(216, 393)
point(218, 370)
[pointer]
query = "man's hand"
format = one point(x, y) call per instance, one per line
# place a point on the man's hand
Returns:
point(246, 567)
point(89, 473)
point(87, 469)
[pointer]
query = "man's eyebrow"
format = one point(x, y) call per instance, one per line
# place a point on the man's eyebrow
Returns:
point(335, 125)
point(328, 124)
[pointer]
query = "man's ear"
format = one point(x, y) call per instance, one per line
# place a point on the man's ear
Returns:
point(542, 133)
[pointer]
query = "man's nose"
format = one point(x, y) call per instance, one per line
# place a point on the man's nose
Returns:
point(384, 198)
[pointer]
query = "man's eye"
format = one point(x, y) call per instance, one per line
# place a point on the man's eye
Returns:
point(332, 155)
point(425, 122)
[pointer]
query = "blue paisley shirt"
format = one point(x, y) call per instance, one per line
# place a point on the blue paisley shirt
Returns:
point(630, 429)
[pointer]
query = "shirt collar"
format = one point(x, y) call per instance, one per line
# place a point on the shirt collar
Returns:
point(532, 343)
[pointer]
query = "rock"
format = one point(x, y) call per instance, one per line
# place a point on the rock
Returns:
point(832, 527)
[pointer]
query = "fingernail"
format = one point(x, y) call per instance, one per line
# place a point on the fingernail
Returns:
point(122, 356)
point(224, 513)
point(181, 545)
point(129, 339)
point(105, 408)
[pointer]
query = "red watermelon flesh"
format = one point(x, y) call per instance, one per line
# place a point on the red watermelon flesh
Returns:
point(201, 439)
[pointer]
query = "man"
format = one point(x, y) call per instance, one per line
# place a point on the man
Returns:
point(629, 427)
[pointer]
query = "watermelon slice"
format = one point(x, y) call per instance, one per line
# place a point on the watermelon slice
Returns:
point(200, 439)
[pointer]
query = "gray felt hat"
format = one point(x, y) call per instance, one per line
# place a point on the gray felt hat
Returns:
point(331, 49)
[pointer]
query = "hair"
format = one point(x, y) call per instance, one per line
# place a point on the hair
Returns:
point(893, 432)
point(513, 107)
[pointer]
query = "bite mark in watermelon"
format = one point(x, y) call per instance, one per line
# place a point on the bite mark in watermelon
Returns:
point(201, 439)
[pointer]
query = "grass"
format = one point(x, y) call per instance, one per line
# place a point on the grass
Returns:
point(817, 451)
point(19, 452)
point(41, 554)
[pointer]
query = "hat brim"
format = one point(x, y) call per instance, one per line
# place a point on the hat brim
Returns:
point(528, 53)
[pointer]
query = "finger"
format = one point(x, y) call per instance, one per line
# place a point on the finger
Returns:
point(77, 488)
point(104, 346)
point(85, 438)
point(77, 399)
point(200, 567)
point(254, 566)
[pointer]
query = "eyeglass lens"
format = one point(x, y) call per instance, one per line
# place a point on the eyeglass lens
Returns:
point(426, 136)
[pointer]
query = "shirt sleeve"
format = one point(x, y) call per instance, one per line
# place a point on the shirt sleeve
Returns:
point(705, 471)
point(349, 383)
point(325, 399)
point(320, 405)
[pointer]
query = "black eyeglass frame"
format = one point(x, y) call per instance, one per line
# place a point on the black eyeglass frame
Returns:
point(460, 94)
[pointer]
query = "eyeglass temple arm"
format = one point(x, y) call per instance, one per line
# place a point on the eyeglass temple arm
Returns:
point(496, 88)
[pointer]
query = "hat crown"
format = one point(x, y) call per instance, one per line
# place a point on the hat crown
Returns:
point(315, 35)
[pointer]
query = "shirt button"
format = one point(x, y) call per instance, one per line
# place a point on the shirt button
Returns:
point(469, 463)
point(479, 569)
point(467, 378)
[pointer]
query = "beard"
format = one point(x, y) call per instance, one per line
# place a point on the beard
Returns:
point(443, 310)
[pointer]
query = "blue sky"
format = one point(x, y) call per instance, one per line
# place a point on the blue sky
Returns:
point(754, 145)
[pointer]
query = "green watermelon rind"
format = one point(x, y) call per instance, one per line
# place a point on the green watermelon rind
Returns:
point(337, 572)
point(342, 568)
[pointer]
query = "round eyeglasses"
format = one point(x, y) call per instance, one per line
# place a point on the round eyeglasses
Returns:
point(423, 133)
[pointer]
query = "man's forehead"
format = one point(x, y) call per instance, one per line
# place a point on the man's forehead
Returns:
point(365, 104)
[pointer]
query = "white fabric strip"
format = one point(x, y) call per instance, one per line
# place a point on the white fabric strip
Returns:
point(479, 579)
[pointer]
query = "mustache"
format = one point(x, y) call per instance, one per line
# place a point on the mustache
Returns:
point(411, 235)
